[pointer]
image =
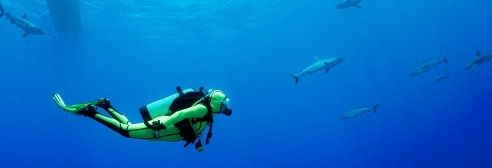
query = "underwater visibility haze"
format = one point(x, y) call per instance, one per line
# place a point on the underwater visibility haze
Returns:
point(136, 52)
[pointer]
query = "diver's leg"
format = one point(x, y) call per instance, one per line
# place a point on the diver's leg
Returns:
point(117, 115)
point(106, 105)
point(111, 123)
point(124, 129)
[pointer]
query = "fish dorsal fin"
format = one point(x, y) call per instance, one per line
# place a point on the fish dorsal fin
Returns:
point(478, 53)
point(316, 58)
point(423, 61)
point(24, 16)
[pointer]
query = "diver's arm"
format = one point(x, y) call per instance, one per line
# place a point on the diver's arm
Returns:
point(141, 131)
point(196, 111)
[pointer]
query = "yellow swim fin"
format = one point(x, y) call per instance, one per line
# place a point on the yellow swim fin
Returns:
point(72, 109)
point(59, 101)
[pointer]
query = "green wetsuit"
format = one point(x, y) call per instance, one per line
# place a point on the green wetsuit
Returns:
point(122, 125)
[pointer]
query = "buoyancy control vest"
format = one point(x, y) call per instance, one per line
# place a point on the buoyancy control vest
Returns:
point(173, 103)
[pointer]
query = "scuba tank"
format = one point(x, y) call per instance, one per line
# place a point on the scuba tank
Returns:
point(160, 107)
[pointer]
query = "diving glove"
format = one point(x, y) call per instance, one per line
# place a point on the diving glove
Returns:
point(77, 108)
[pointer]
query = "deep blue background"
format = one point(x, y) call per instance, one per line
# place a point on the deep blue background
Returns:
point(136, 52)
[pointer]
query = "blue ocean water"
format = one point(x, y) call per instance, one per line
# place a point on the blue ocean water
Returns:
point(136, 52)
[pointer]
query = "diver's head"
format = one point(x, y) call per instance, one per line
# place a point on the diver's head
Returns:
point(219, 103)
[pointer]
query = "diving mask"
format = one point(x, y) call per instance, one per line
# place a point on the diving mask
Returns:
point(224, 108)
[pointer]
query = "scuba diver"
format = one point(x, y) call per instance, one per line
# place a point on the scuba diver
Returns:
point(181, 116)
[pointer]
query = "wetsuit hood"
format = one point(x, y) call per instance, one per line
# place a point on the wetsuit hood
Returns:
point(219, 102)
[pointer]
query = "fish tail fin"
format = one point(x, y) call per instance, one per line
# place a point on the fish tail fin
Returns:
point(374, 107)
point(295, 76)
point(1, 11)
point(445, 56)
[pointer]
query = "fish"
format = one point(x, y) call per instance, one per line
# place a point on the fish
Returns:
point(478, 60)
point(22, 23)
point(440, 77)
point(360, 111)
point(318, 65)
point(428, 65)
point(349, 3)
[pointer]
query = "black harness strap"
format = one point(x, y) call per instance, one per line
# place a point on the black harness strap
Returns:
point(209, 118)
point(209, 134)
point(156, 125)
